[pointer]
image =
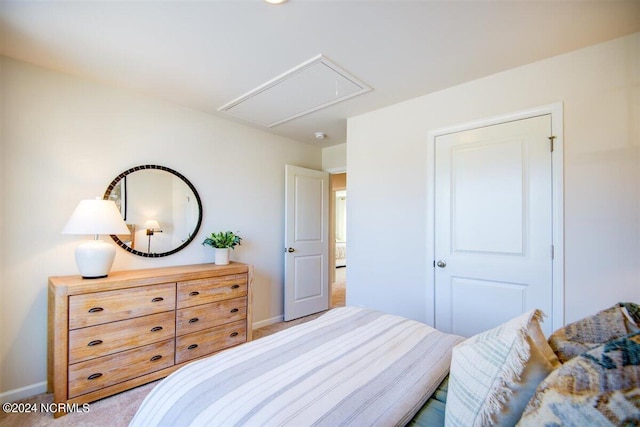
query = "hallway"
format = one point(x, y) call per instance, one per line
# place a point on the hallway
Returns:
point(338, 291)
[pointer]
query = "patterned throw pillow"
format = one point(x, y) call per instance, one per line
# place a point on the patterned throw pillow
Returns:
point(632, 315)
point(590, 332)
point(494, 374)
point(598, 388)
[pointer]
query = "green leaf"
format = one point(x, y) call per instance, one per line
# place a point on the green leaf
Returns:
point(226, 239)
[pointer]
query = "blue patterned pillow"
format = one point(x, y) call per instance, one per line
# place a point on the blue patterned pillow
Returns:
point(585, 334)
point(600, 387)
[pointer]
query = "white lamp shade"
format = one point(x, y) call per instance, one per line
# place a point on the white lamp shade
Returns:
point(95, 258)
point(96, 217)
point(152, 224)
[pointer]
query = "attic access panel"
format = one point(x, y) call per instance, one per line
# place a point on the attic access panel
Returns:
point(309, 87)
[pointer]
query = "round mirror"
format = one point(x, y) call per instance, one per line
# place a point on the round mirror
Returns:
point(161, 208)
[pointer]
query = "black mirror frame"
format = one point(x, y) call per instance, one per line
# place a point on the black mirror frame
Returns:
point(122, 176)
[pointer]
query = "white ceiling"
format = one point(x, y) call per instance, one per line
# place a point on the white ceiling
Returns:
point(204, 54)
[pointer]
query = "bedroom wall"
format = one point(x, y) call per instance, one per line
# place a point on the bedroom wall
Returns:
point(65, 139)
point(334, 158)
point(600, 89)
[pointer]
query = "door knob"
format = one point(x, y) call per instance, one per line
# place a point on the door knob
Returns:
point(441, 264)
point(291, 250)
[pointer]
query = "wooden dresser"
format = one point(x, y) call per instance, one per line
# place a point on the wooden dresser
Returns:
point(130, 328)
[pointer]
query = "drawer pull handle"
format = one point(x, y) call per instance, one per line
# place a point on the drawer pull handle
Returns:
point(194, 293)
point(94, 342)
point(235, 310)
point(95, 309)
point(192, 346)
point(156, 357)
point(194, 320)
point(94, 376)
point(235, 286)
point(156, 329)
point(157, 299)
point(233, 334)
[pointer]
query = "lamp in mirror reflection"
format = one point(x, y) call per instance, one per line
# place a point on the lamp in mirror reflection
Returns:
point(94, 258)
point(152, 227)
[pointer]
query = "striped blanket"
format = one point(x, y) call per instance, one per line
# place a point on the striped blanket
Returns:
point(351, 366)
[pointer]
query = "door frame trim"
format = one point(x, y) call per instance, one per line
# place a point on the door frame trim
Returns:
point(557, 171)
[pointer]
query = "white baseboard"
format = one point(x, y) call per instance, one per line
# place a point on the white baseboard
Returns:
point(268, 322)
point(23, 392)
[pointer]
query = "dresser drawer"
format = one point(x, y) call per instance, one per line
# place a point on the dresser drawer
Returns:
point(206, 316)
point(111, 334)
point(101, 340)
point(203, 291)
point(102, 307)
point(95, 374)
point(209, 341)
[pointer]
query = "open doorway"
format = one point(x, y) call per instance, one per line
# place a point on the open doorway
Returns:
point(338, 241)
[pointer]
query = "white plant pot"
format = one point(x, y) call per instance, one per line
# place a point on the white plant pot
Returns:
point(221, 256)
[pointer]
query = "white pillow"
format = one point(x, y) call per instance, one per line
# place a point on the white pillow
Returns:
point(494, 374)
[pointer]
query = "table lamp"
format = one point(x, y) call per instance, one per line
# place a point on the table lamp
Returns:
point(152, 227)
point(95, 257)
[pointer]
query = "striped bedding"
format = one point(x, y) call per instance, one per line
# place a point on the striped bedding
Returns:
point(351, 366)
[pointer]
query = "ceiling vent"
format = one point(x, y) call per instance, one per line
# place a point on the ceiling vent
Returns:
point(309, 87)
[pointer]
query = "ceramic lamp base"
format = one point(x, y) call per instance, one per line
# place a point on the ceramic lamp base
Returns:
point(95, 258)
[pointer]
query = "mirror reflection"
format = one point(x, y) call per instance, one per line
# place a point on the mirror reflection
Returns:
point(161, 208)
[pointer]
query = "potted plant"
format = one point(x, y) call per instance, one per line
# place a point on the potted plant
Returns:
point(222, 242)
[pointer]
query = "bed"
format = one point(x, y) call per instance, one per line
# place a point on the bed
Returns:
point(354, 366)
point(351, 366)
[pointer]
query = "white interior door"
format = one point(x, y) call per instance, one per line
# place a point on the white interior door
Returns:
point(306, 285)
point(493, 225)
